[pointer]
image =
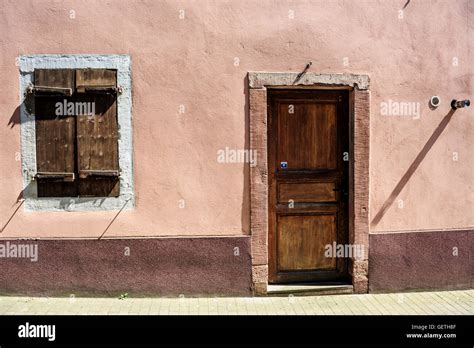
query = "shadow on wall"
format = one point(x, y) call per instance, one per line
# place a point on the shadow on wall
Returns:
point(28, 103)
point(413, 167)
point(21, 199)
point(19, 202)
point(15, 118)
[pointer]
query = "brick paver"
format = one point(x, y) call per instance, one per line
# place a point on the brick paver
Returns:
point(431, 303)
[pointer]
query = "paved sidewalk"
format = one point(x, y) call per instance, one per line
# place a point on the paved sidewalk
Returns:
point(442, 302)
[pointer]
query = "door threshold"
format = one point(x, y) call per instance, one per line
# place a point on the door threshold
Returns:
point(309, 289)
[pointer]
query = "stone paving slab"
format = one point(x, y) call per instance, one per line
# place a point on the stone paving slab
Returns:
point(415, 303)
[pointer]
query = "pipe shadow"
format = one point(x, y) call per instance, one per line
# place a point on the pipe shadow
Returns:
point(19, 200)
point(115, 218)
point(413, 167)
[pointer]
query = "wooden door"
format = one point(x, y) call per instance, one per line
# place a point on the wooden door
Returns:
point(308, 143)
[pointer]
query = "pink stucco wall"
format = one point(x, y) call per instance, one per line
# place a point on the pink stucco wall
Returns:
point(191, 62)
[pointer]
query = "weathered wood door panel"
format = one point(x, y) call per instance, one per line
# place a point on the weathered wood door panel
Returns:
point(305, 237)
point(308, 163)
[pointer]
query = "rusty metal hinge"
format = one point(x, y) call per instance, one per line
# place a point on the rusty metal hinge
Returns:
point(46, 90)
point(85, 173)
point(100, 89)
point(62, 176)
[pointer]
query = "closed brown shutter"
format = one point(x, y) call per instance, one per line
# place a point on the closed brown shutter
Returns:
point(55, 135)
point(97, 133)
point(95, 80)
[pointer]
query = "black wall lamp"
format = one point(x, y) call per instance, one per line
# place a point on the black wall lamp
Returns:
point(456, 104)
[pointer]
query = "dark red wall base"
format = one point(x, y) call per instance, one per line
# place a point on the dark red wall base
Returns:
point(155, 267)
point(421, 261)
point(209, 266)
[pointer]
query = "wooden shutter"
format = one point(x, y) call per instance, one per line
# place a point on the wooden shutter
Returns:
point(55, 135)
point(49, 82)
point(97, 134)
point(95, 80)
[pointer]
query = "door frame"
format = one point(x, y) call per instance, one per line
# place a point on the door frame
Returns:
point(359, 148)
